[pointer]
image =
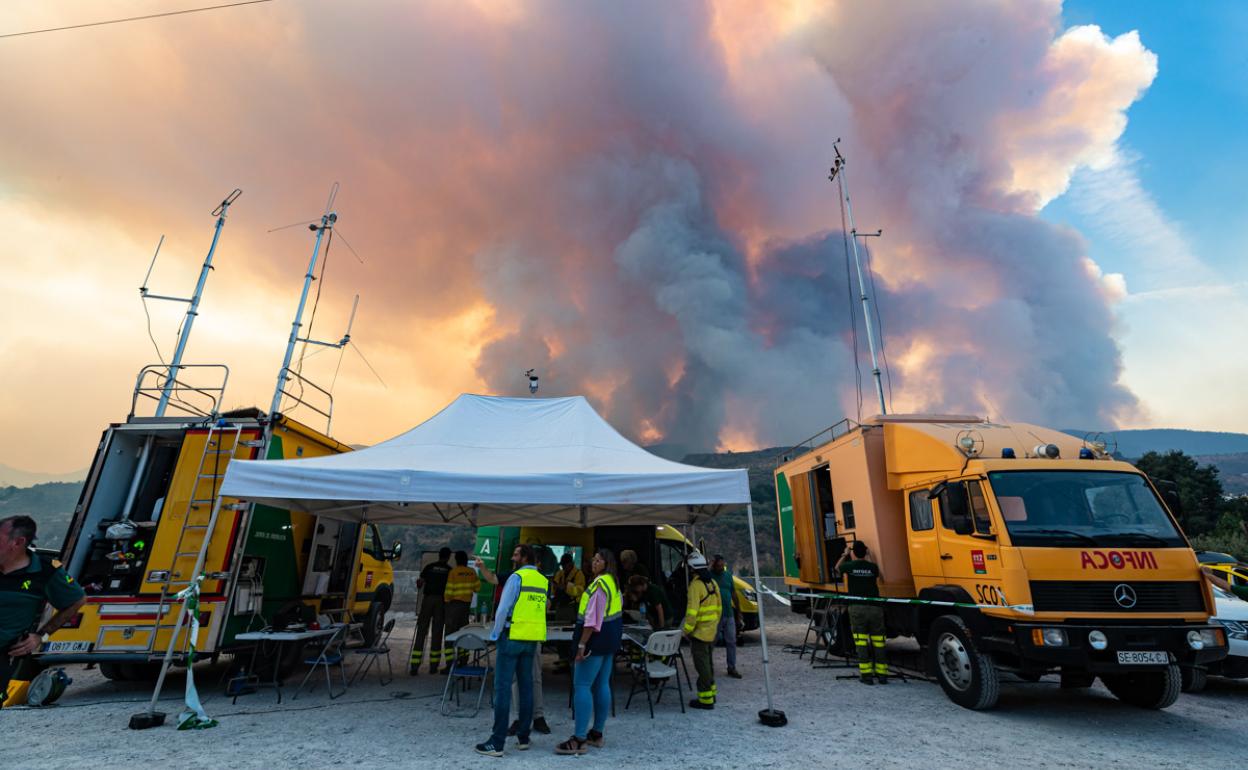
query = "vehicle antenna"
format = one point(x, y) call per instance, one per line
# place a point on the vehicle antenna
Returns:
point(192, 310)
point(328, 219)
point(838, 175)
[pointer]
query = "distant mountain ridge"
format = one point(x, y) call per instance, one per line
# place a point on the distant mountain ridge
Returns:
point(1134, 444)
point(16, 477)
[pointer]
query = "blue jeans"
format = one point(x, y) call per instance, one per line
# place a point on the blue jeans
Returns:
point(515, 659)
point(591, 691)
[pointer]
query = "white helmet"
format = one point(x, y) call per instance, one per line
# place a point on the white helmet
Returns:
point(696, 561)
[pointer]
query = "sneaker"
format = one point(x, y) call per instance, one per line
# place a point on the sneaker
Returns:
point(595, 739)
point(697, 704)
point(523, 744)
point(489, 749)
point(735, 674)
point(540, 725)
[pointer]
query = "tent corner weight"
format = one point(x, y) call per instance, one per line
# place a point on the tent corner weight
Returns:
point(773, 718)
point(146, 719)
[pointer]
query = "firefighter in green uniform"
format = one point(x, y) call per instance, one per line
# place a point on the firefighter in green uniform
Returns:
point(866, 620)
point(27, 581)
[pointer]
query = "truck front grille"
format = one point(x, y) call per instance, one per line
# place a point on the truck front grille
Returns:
point(1099, 596)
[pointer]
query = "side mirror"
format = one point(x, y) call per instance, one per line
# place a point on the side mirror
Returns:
point(396, 550)
point(1170, 493)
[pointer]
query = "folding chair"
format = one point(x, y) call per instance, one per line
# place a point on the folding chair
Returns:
point(477, 650)
point(373, 653)
point(656, 663)
point(330, 655)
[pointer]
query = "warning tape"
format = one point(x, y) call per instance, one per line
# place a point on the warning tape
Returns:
point(1026, 609)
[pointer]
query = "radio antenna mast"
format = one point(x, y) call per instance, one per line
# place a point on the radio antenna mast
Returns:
point(328, 219)
point(192, 310)
point(837, 175)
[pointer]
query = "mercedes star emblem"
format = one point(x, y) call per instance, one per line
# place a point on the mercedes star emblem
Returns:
point(1125, 596)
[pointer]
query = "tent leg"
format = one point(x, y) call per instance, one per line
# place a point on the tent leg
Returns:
point(768, 716)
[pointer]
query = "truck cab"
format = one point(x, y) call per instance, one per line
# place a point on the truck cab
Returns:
point(1031, 551)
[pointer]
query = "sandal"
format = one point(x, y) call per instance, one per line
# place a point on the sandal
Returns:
point(572, 745)
point(595, 739)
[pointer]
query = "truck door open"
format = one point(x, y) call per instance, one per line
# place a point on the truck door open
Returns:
point(331, 558)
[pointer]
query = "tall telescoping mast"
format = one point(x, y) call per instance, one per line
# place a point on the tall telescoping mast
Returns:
point(328, 220)
point(838, 175)
point(192, 309)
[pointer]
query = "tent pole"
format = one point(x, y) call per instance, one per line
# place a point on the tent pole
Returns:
point(769, 716)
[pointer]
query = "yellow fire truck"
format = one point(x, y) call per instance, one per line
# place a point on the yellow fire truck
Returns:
point(1032, 552)
point(144, 520)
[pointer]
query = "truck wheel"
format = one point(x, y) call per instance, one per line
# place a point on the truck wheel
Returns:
point(113, 672)
point(967, 675)
point(373, 623)
point(1194, 679)
point(1147, 689)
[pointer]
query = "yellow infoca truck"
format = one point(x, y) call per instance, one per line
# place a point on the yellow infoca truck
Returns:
point(142, 518)
point(1032, 551)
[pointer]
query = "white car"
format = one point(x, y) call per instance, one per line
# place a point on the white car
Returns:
point(1232, 616)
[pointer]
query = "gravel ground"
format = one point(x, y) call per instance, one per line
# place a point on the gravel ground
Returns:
point(830, 720)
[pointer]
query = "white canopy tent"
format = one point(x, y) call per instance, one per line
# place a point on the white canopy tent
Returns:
point(497, 461)
point(486, 460)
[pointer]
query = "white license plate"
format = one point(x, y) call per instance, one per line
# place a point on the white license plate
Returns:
point(1143, 658)
point(67, 647)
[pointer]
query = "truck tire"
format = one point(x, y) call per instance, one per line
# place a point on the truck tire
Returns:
point(1195, 679)
point(373, 622)
point(113, 671)
point(967, 675)
point(1147, 689)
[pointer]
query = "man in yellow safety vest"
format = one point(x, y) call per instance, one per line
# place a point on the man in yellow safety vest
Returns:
point(701, 622)
point(519, 630)
point(461, 585)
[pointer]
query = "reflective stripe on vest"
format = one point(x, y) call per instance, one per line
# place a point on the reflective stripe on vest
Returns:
point(528, 614)
point(615, 602)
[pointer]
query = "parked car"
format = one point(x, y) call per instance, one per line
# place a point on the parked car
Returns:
point(1232, 616)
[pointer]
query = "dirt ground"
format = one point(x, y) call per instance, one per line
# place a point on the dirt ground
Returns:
point(831, 721)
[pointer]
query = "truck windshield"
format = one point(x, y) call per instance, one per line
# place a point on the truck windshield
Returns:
point(1082, 508)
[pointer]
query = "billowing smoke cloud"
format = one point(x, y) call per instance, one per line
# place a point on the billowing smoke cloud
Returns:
point(631, 198)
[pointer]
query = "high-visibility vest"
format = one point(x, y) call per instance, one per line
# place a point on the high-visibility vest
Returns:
point(461, 584)
point(615, 602)
point(572, 585)
point(528, 614)
point(703, 611)
point(605, 641)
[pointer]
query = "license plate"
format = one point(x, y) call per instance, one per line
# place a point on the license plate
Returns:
point(1143, 658)
point(67, 647)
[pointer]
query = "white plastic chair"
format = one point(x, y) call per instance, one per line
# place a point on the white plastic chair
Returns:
point(656, 664)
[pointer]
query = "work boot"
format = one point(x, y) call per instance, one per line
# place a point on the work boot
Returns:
point(733, 672)
point(697, 704)
point(413, 670)
point(539, 725)
point(433, 668)
point(881, 679)
point(867, 680)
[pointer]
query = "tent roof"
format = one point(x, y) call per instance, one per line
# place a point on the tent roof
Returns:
point(484, 460)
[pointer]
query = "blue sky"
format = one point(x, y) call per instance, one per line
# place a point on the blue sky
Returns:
point(1179, 240)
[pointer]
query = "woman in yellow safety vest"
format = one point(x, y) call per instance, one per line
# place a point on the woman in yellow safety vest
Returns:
point(599, 628)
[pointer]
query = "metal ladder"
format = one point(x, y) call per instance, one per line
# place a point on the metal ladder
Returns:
point(198, 520)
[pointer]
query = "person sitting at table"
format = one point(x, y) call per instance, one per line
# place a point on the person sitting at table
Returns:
point(599, 630)
point(648, 600)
